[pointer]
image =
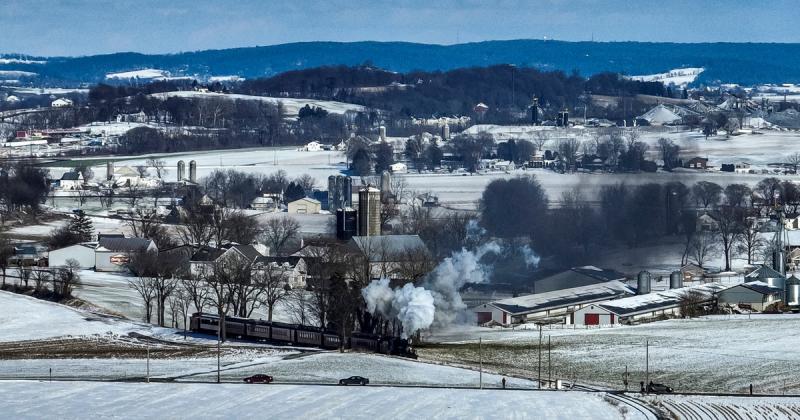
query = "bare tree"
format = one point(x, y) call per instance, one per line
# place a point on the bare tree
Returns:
point(278, 231)
point(195, 290)
point(272, 281)
point(751, 240)
point(24, 272)
point(706, 193)
point(145, 266)
point(134, 193)
point(196, 227)
point(299, 306)
point(67, 279)
point(220, 292)
point(540, 139)
point(40, 278)
point(106, 197)
point(141, 170)
point(729, 228)
point(147, 223)
point(159, 165)
point(703, 247)
point(306, 182)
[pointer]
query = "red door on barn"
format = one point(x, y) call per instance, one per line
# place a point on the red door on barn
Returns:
point(591, 319)
point(484, 317)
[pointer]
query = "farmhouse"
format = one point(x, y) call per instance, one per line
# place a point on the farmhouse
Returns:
point(755, 295)
point(697, 163)
point(558, 304)
point(304, 205)
point(292, 270)
point(71, 181)
point(204, 260)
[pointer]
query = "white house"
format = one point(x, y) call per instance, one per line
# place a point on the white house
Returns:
point(304, 205)
point(114, 254)
point(204, 260)
point(61, 103)
point(72, 180)
point(291, 269)
point(82, 253)
point(313, 146)
point(398, 168)
point(267, 202)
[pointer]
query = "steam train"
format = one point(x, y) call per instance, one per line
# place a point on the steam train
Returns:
point(298, 335)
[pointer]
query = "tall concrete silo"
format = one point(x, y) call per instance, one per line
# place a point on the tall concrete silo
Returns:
point(643, 283)
point(793, 291)
point(109, 171)
point(193, 171)
point(340, 192)
point(675, 280)
point(386, 184)
point(181, 170)
point(445, 132)
point(369, 211)
point(382, 133)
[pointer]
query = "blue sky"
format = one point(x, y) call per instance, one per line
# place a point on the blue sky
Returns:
point(79, 27)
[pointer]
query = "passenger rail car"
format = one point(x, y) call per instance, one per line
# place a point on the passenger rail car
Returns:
point(297, 335)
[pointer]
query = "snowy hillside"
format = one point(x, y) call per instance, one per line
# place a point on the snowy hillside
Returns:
point(27, 318)
point(291, 105)
point(677, 77)
point(139, 74)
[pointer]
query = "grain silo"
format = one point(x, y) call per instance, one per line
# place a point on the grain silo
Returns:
point(340, 192)
point(676, 280)
point(181, 170)
point(346, 223)
point(382, 133)
point(109, 171)
point(369, 211)
point(386, 184)
point(445, 132)
point(793, 291)
point(193, 171)
point(643, 283)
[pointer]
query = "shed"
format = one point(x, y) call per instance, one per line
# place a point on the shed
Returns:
point(114, 254)
point(82, 253)
point(304, 205)
point(755, 295)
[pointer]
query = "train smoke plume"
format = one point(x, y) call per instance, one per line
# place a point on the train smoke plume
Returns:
point(412, 306)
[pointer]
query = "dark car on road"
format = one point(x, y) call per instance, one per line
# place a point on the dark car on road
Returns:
point(659, 389)
point(258, 379)
point(354, 380)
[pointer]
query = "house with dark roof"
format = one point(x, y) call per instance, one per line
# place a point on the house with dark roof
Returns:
point(72, 180)
point(554, 306)
point(753, 295)
point(391, 256)
point(202, 262)
point(697, 163)
point(291, 269)
point(114, 254)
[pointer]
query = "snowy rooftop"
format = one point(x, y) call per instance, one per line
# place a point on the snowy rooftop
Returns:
point(561, 298)
point(665, 299)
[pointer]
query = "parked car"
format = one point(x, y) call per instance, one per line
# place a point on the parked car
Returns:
point(258, 379)
point(659, 389)
point(354, 380)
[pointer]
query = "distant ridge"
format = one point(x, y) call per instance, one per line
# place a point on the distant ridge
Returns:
point(744, 63)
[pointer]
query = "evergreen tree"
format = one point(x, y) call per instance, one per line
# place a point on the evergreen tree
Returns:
point(81, 226)
point(433, 156)
point(294, 192)
point(361, 162)
point(384, 157)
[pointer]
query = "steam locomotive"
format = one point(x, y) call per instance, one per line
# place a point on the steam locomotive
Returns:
point(298, 335)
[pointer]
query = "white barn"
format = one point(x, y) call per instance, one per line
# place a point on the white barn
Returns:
point(82, 253)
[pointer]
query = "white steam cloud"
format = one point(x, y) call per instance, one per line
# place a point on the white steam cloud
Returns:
point(412, 306)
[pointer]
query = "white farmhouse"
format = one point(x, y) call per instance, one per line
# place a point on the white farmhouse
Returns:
point(314, 146)
point(398, 168)
point(71, 181)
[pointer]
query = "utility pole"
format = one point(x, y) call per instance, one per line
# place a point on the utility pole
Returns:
point(540, 356)
point(148, 365)
point(480, 362)
point(647, 365)
point(219, 333)
point(549, 364)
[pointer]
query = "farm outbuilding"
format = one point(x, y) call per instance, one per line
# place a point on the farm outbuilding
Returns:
point(82, 253)
point(558, 304)
point(664, 303)
point(755, 295)
point(114, 254)
point(304, 206)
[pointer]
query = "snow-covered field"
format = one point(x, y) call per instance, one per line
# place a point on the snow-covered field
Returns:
point(677, 77)
point(716, 353)
point(733, 408)
point(291, 105)
point(139, 74)
point(192, 401)
point(27, 318)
